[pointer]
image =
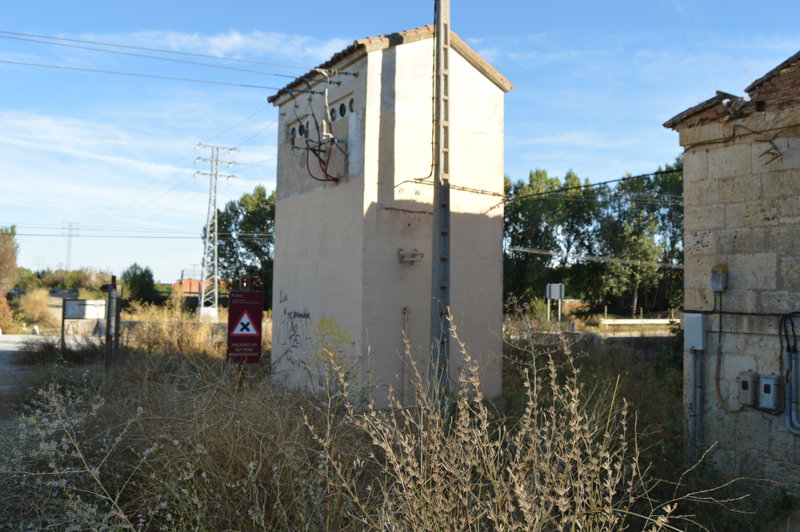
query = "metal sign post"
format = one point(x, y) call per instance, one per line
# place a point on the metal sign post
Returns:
point(245, 310)
point(111, 321)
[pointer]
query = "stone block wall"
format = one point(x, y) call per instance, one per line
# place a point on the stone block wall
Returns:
point(742, 211)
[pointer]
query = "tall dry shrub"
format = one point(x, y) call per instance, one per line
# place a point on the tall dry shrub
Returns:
point(34, 307)
point(569, 463)
point(8, 259)
point(7, 325)
point(169, 329)
point(167, 441)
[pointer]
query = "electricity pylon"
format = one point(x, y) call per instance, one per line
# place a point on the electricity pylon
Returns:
point(207, 303)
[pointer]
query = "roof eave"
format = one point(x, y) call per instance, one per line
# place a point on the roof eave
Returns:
point(772, 73)
point(371, 44)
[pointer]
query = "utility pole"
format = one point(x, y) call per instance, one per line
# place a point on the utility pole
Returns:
point(208, 302)
point(68, 227)
point(440, 278)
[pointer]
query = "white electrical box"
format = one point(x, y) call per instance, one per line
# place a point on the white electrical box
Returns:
point(770, 392)
point(694, 332)
point(748, 388)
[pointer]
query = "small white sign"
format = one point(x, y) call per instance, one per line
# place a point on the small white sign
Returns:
point(81, 309)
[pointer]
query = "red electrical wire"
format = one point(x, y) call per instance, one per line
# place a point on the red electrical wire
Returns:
point(327, 178)
point(327, 163)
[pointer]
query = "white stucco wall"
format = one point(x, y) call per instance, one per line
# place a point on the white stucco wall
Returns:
point(337, 244)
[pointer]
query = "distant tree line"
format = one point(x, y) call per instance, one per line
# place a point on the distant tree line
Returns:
point(608, 244)
point(604, 242)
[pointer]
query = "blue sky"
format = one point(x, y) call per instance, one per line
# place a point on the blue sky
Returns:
point(114, 155)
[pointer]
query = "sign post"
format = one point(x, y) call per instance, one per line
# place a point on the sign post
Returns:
point(111, 321)
point(244, 326)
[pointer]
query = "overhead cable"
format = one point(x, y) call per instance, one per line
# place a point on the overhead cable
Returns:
point(579, 187)
point(154, 76)
point(595, 258)
point(163, 51)
point(149, 236)
point(157, 58)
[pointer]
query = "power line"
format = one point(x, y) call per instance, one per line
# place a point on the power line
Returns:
point(595, 258)
point(238, 123)
point(163, 51)
point(257, 133)
point(157, 58)
point(257, 163)
point(154, 76)
point(579, 187)
point(223, 236)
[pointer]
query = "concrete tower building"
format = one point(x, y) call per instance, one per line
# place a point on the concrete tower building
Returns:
point(353, 222)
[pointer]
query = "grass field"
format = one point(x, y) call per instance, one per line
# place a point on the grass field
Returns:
point(173, 438)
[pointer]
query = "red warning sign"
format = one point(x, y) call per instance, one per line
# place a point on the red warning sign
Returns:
point(244, 326)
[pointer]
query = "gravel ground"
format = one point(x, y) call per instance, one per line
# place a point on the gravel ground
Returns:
point(15, 380)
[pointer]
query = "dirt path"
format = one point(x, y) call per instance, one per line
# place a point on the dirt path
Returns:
point(16, 381)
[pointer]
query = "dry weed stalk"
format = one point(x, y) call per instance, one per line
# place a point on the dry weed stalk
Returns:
point(563, 466)
point(167, 441)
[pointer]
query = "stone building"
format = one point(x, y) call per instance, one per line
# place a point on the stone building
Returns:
point(353, 221)
point(742, 272)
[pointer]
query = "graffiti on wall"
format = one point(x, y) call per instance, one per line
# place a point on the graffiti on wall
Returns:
point(296, 330)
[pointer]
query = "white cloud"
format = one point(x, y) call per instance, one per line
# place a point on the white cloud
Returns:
point(578, 139)
point(83, 141)
point(253, 44)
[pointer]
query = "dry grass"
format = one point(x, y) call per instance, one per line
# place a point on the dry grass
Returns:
point(41, 350)
point(34, 308)
point(173, 438)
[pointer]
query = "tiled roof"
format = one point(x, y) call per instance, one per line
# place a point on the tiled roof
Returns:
point(700, 107)
point(772, 73)
point(721, 97)
point(382, 42)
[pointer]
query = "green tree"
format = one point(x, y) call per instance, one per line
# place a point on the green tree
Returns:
point(628, 237)
point(635, 225)
point(531, 221)
point(27, 279)
point(246, 245)
point(668, 192)
point(139, 284)
point(577, 217)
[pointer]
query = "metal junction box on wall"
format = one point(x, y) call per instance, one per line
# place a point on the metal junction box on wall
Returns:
point(770, 393)
point(694, 332)
point(748, 388)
